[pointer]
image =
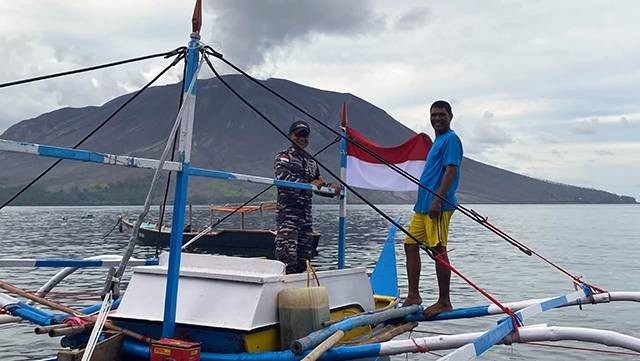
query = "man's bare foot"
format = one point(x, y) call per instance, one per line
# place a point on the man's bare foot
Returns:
point(412, 300)
point(435, 309)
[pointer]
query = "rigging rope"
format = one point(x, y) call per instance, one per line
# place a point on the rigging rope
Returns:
point(199, 235)
point(470, 213)
point(113, 228)
point(166, 54)
point(112, 283)
point(587, 349)
point(97, 327)
point(357, 194)
point(54, 164)
point(173, 152)
point(473, 215)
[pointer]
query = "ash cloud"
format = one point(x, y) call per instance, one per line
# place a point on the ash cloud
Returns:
point(247, 32)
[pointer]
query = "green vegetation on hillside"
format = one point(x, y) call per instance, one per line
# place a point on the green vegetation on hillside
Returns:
point(133, 192)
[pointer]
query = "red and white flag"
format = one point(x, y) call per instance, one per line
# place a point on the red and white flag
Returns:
point(365, 171)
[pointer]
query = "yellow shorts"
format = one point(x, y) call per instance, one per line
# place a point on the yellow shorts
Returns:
point(431, 231)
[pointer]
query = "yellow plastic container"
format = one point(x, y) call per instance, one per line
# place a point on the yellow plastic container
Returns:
point(301, 311)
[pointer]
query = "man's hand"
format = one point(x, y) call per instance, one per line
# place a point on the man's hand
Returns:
point(436, 208)
point(336, 189)
point(318, 183)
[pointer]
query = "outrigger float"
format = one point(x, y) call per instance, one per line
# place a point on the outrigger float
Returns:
point(172, 307)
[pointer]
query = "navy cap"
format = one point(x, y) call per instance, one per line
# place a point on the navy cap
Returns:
point(299, 127)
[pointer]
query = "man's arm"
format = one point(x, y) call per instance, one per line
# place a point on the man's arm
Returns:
point(447, 180)
point(319, 182)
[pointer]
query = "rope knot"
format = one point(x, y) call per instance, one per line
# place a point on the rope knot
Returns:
point(419, 348)
point(75, 321)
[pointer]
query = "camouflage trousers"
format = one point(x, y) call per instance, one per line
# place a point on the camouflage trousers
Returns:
point(293, 240)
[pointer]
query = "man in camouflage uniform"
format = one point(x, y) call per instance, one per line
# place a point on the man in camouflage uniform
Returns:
point(293, 215)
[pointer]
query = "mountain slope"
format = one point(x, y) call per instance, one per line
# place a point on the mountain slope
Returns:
point(229, 136)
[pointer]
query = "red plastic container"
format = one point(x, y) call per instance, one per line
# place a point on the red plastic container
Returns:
point(167, 349)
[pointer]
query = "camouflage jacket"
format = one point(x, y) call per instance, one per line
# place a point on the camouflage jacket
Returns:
point(295, 166)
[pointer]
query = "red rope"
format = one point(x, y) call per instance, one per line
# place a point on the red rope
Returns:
point(419, 348)
point(498, 231)
point(584, 349)
point(504, 309)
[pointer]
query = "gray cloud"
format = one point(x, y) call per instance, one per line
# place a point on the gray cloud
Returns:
point(413, 19)
point(604, 152)
point(520, 156)
point(482, 136)
point(29, 100)
point(585, 127)
point(558, 153)
point(246, 32)
point(487, 131)
point(531, 63)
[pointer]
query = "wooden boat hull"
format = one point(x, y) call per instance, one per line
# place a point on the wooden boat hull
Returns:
point(230, 242)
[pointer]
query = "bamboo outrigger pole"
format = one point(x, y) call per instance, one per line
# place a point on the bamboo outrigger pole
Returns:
point(59, 307)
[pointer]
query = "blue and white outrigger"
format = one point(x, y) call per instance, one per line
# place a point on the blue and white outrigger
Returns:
point(229, 304)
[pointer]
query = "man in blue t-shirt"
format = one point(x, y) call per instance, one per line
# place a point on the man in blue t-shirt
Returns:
point(430, 222)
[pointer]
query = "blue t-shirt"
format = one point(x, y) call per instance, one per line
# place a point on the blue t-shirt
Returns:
point(446, 150)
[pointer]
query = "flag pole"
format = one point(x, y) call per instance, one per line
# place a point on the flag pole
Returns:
point(342, 224)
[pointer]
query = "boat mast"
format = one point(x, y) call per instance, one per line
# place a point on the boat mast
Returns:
point(342, 224)
point(182, 177)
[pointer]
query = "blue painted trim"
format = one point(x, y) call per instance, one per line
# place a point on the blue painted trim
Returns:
point(152, 262)
point(212, 339)
point(493, 336)
point(175, 245)
point(61, 262)
point(465, 312)
point(179, 202)
point(67, 153)
point(218, 174)
point(342, 224)
point(505, 325)
point(315, 338)
point(288, 184)
point(30, 313)
point(137, 349)
point(40, 317)
point(34, 309)
point(80, 263)
point(384, 279)
point(553, 303)
point(210, 173)
point(193, 56)
point(95, 308)
point(341, 353)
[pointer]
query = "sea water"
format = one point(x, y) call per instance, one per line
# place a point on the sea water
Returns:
point(599, 242)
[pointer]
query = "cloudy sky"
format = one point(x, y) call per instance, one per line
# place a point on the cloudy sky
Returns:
point(548, 89)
